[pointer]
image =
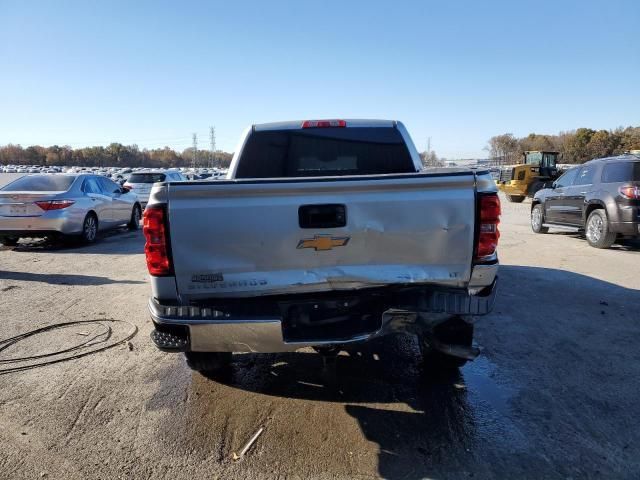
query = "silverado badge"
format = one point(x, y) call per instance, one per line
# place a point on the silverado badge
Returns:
point(323, 242)
point(207, 278)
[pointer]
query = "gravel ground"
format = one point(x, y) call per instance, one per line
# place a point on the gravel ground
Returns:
point(552, 396)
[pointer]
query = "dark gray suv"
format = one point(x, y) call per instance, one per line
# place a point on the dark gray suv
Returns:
point(601, 197)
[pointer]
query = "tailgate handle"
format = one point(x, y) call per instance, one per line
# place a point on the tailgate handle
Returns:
point(322, 216)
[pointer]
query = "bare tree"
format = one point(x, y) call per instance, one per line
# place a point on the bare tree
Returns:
point(503, 149)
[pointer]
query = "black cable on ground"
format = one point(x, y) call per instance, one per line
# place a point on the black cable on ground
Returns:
point(4, 344)
point(94, 340)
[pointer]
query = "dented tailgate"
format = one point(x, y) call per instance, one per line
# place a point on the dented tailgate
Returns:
point(261, 237)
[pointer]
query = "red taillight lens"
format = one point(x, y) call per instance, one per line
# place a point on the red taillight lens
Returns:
point(156, 247)
point(489, 234)
point(323, 123)
point(127, 187)
point(632, 193)
point(55, 204)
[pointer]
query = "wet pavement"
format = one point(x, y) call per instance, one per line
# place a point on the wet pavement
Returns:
point(553, 395)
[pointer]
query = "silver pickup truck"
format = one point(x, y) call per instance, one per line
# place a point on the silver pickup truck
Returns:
point(324, 234)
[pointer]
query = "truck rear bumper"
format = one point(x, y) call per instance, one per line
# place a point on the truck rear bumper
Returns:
point(207, 329)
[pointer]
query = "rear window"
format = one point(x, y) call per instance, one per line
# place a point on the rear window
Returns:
point(146, 177)
point(621, 172)
point(41, 183)
point(324, 152)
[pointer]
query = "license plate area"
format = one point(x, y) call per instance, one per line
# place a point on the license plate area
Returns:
point(331, 320)
point(17, 210)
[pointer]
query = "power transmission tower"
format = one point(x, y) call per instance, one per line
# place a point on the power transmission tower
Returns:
point(427, 154)
point(195, 150)
point(212, 138)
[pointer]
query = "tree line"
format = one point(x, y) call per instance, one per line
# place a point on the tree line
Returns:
point(576, 146)
point(113, 155)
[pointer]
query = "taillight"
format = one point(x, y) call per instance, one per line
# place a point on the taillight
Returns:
point(127, 187)
point(632, 193)
point(323, 123)
point(55, 204)
point(489, 220)
point(156, 247)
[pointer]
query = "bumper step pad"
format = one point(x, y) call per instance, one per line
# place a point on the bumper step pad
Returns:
point(169, 341)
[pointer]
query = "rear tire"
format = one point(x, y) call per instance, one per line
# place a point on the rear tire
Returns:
point(456, 332)
point(597, 230)
point(136, 214)
point(537, 220)
point(208, 362)
point(515, 198)
point(9, 241)
point(89, 229)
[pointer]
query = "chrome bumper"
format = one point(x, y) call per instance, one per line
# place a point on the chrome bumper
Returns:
point(192, 328)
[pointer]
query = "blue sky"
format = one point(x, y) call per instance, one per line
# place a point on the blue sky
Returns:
point(152, 73)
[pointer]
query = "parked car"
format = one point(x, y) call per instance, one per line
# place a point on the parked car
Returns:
point(600, 197)
point(141, 182)
point(325, 234)
point(64, 205)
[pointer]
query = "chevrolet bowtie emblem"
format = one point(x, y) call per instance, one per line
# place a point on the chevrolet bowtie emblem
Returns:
point(323, 242)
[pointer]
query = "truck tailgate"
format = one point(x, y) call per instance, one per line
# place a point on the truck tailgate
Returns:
point(243, 238)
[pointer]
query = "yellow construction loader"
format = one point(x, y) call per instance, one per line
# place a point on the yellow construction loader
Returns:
point(525, 179)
